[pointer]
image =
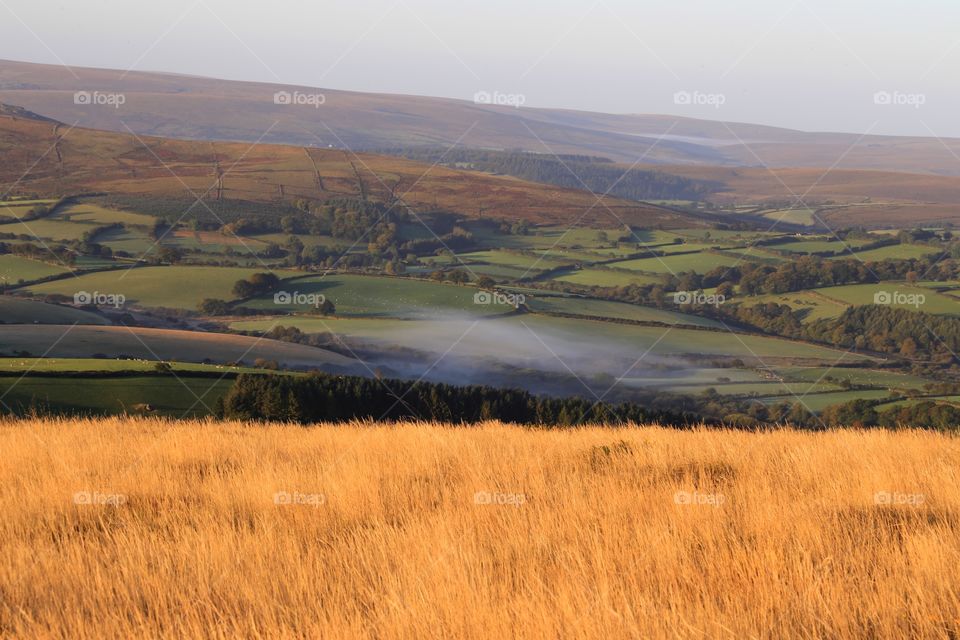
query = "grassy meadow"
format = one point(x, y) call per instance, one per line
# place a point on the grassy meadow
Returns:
point(146, 528)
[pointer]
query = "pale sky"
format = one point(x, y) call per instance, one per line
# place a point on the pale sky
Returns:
point(806, 64)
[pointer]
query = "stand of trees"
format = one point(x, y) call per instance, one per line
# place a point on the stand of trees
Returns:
point(326, 398)
point(873, 327)
point(863, 413)
point(256, 285)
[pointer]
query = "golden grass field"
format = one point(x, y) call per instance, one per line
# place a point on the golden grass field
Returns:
point(146, 528)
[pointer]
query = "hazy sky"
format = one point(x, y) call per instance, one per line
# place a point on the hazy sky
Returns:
point(808, 64)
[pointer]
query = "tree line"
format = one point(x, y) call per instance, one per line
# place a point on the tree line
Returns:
point(319, 397)
point(326, 398)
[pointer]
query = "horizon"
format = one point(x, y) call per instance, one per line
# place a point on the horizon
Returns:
point(678, 116)
point(611, 58)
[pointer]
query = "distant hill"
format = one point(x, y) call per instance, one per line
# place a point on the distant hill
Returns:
point(45, 157)
point(190, 107)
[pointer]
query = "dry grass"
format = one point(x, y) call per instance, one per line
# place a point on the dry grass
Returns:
point(392, 542)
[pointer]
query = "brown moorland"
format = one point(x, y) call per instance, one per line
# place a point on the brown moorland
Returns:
point(870, 197)
point(38, 155)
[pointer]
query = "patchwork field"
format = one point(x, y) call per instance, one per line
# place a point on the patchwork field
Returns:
point(821, 245)
point(49, 229)
point(816, 402)
point(178, 397)
point(16, 209)
point(369, 296)
point(87, 213)
point(87, 365)
point(901, 296)
point(606, 278)
point(17, 311)
point(533, 339)
point(871, 377)
point(700, 262)
point(59, 341)
point(615, 310)
point(830, 302)
point(803, 216)
point(897, 252)
point(17, 269)
point(180, 287)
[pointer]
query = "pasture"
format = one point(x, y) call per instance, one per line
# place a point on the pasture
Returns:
point(371, 296)
point(699, 262)
point(19, 311)
point(606, 278)
point(176, 287)
point(100, 342)
point(615, 310)
point(17, 269)
point(180, 396)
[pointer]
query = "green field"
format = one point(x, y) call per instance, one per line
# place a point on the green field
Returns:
point(679, 378)
point(864, 294)
point(897, 252)
point(102, 342)
point(615, 310)
point(563, 335)
point(950, 400)
point(16, 269)
point(513, 259)
point(95, 214)
point(724, 235)
point(830, 302)
point(755, 254)
point(18, 311)
point(677, 360)
point(49, 229)
point(701, 262)
point(87, 365)
point(815, 246)
point(576, 255)
point(817, 402)
point(16, 209)
point(136, 242)
point(814, 306)
point(756, 389)
point(863, 377)
point(545, 238)
point(372, 296)
point(802, 216)
point(686, 247)
point(176, 287)
point(606, 278)
point(180, 396)
point(501, 273)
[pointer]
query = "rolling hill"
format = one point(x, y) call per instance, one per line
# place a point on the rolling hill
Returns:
point(86, 341)
point(178, 106)
point(41, 155)
point(855, 196)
